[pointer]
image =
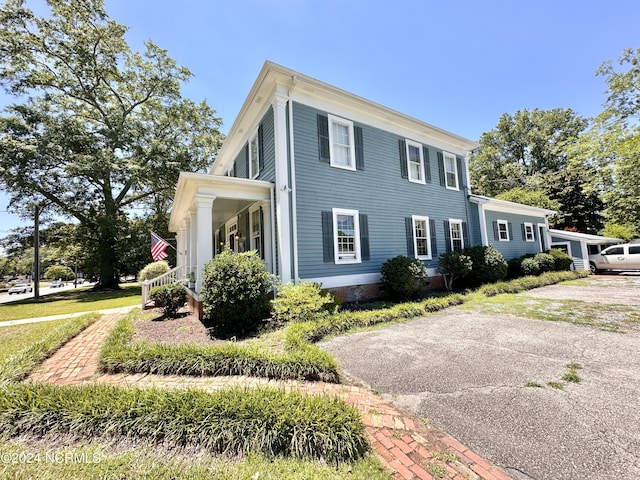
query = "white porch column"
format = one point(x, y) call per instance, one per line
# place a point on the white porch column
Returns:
point(187, 245)
point(204, 227)
point(193, 240)
point(282, 188)
point(180, 246)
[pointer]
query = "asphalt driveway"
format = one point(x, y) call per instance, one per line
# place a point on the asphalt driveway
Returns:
point(471, 373)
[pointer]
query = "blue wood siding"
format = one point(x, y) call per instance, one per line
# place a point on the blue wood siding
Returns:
point(267, 172)
point(516, 246)
point(474, 222)
point(576, 251)
point(378, 191)
point(240, 163)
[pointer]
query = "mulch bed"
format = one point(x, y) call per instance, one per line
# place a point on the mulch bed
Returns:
point(184, 329)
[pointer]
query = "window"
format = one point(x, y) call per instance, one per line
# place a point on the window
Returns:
point(503, 230)
point(614, 251)
point(341, 144)
point(346, 237)
point(415, 162)
point(256, 232)
point(254, 157)
point(527, 232)
point(455, 230)
point(450, 171)
point(634, 250)
point(421, 237)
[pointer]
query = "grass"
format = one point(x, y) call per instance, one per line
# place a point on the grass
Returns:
point(234, 421)
point(144, 462)
point(17, 337)
point(78, 300)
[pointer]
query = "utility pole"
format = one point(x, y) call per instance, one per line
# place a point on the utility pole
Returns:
point(36, 254)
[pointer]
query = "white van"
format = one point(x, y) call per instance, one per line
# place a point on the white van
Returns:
point(617, 257)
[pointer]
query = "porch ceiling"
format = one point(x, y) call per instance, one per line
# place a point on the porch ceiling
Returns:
point(231, 195)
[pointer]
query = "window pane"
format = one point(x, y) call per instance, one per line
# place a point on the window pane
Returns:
point(341, 144)
point(450, 171)
point(346, 236)
point(420, 232)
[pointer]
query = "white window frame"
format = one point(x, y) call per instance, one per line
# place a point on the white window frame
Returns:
point(356, 228)
point(528, 229)
point(450, 156)
point(352, 146)
point(231, 227)
point(253, 140)
point(506, 231)
point(452, 222)
point(417, 218)
point(408, 144)
point(252, 234)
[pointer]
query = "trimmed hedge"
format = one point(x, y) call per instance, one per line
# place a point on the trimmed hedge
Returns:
point(119, 355)
point(17, 367)
point(527, 283)
point(232, 421)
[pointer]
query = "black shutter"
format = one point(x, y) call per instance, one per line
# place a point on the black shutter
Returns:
point(496, 233)
point(510, 228)
point(465, 235)
point(447, 236)
point(235, 169)
point(461, 182)
point(427, 164)
point(433, 238)
point(441, 169)
point(247, 233)
point(357, 133)
point(246, 161)
point(262, 233)
point(323, 138)
point(408, 223)
point(364, 238)
point(327, 237)
point(260, 147)
point(404, 172)
point(524, 233)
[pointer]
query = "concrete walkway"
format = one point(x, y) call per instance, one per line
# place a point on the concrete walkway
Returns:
point(49, 318)
point(407, 447)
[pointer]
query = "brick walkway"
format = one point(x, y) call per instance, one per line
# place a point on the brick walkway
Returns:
point(408, 448)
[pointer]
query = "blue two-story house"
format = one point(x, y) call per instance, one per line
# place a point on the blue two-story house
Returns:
point(326, 186)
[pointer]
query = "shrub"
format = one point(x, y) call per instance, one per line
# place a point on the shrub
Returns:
point(514, 267)
point(300, 303)
point(453, 265)
point(488, 266)
point(563, 260)
point(235, 292)
point(403, 277)
point(530, 266)
point(546, 262)
point(170, 298)
point(59, 271)
point(153, 270)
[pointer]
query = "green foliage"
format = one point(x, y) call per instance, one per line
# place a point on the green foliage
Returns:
point(300, 303)
point(403, 277)
point(562, 260)
point(546, 262)
point(453, 265)
point(530, 266)
point(170, 298)
point(18, 366)
point(488, 265)
point(527, 196)
point(97, 127)
point(153, 270)
point(235, 292)
point(59, 271)
point(234, 421)
point(527, 283)
point(625, 232)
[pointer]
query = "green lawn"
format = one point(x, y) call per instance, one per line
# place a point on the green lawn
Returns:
point(18, 337)
point(83, 299)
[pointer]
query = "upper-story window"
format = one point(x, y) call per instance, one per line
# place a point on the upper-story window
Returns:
point(527, 230)
point(341, 143)
point(254, 157)
point(455, 231)
point(450, 171)
point(415, 162)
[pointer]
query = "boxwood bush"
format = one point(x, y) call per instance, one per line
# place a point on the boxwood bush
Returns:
point(488, 266)
point(170, 298)
point(403, 277)
point(153, 270)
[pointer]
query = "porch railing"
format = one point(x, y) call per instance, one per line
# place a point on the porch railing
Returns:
point(177, 274)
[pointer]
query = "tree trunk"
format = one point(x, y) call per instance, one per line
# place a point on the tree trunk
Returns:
point(108, 249)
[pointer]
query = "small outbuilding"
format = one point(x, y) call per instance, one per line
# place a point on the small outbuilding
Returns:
point(581, 246)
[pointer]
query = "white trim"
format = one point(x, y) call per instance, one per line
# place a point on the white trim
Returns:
point(415, 218)
point(533, 232)
point(356, 279)
point(458, 222)
point(251, 173)
point(232, 222)
point(411, 143)
point(484, 235)
point(566, 244)
point(547, 238)
point(352, 148)
point(506, 228)
point(252, 209)
point(294, 194)
point(282, 190)
point(356, 232)
point(504, 206)
point(451, 156)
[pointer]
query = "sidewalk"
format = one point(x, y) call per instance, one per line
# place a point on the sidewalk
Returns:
point(407, 447)
point(8, 323)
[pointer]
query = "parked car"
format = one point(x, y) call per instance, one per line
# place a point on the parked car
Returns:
point(56, 284)
point(619, 258)
point(21, 288)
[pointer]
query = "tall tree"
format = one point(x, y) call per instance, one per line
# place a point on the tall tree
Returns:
point(100, 128)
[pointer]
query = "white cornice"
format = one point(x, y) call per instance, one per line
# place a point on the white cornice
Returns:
point(488, 203)
point(275, 79)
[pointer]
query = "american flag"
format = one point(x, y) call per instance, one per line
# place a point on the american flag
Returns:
point(158, 247)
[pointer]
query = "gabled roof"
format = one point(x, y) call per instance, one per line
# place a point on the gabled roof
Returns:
point(275, 79)
point(590, 239)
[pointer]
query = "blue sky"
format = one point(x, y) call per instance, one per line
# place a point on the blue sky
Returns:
point(458, 65)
